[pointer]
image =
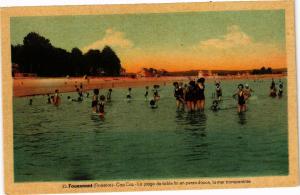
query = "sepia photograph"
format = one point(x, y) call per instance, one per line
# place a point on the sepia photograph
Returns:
point(149, 97)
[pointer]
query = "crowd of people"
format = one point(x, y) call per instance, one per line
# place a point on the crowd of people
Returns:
point(190, 96)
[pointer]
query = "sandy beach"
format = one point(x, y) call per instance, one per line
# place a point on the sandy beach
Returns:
point(28, 86)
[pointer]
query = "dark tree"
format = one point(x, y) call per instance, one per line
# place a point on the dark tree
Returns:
point(110, 62)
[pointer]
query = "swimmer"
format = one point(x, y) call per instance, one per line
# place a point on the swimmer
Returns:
point(153, 104)
point(200, 97)
point(215, 106)
point(218, 91)
point(273, 90)
point(108, 95)
point(69, 99)
point(56, 98)
point(146, 93)
point(80, 95)
point(87, 94)
point(179, 95)
point(241, 98)
point(95, 100)
point(100, 106)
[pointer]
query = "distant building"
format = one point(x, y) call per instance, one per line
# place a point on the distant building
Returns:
point(204, 73)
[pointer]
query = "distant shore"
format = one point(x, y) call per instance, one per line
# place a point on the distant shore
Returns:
point(29, 86)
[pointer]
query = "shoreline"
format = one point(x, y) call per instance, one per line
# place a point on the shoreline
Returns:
point(31, 86)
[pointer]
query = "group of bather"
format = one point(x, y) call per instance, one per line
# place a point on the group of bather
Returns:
point(190, 96)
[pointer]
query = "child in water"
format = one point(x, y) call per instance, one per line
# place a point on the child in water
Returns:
point(218, 91)
point(153, 104)
point(95, 100)
point(241, 98)
point(56, 98)
point(129, 94)
point(200, 97)
point(100, 106)
point(146, 93)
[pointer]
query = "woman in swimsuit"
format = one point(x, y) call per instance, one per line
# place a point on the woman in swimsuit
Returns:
point(218, 91)
point(179, 95)
point(241, 98)
point(200, 100)
point(191, 96)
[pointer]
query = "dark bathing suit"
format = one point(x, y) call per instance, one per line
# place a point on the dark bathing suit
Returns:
point(101, 107)
point(200, 93)
point(241, 98)
point(95, 102)
point(178, 93)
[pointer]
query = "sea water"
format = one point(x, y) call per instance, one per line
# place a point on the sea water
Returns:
point(133, 141)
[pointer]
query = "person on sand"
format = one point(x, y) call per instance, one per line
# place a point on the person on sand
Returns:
point(100, 106)
point(218, 91)
point(95, 100)
point(108, 95)
point(190, 96)
point(179, 95)
point(56, 98)
point(241, 98)
point(200, 98)
point(146, 93)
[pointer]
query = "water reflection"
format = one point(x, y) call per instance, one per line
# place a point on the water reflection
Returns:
point(242, 118)
point(193, 131)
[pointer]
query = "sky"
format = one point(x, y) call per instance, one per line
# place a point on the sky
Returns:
point(223, 40)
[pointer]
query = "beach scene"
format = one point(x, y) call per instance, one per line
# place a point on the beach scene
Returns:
point(149, 96)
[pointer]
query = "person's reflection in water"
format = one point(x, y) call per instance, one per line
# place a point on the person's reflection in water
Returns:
point(242, 118)
point(195, 140)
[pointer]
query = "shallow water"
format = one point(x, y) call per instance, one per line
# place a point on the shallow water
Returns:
point(136, 142)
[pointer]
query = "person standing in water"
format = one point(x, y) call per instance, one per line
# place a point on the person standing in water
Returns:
point(190, 96)
point(146, 93)
point(108, 95)
point(56, 98)
point(100, 106)
point(273, 90)
point(48, 99)
point(200, 100)
point(178, 94)
point(95, 100)
point(280, 89)
point(241, 98)
point(218, 91)
point(247, 91)
point(129, 94)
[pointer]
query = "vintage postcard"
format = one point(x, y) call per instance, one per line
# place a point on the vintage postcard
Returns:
point(149, 97)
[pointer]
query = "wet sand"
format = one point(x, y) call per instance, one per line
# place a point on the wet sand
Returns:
point(37, 86)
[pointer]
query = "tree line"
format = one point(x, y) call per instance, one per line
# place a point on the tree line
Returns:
point(38, 56)
point(262, 70)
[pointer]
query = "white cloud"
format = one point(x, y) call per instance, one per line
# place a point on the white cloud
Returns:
point(115, 39)
point(233, 39)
